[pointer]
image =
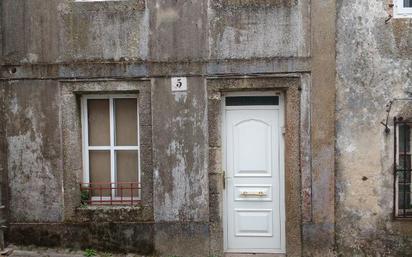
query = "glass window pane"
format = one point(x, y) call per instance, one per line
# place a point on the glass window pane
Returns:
point(252, 100)
point(403, 176)
point(127, 171)
point(99, 162)
point(404, 197)
point(99, 122)
point(126, 121)
point(407, 3)
point(405, 161)
point(404, 138)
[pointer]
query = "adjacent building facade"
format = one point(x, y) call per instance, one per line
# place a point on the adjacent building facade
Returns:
point(207, 127)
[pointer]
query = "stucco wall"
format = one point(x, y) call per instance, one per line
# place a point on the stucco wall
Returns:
point(373, 67)
point(48, 44)
point(50, 31)
point(34, 151)
point(180, 152)
point(256, 29)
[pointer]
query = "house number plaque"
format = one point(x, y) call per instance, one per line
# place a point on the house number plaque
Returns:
point(179, 84)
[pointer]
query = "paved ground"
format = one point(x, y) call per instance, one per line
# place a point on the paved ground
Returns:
point(22, 253)
point(27, 251)
point(19, 251)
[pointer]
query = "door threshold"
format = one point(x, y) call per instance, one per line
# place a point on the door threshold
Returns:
point(255, 255)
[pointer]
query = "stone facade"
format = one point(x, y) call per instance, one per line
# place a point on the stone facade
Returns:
point(373, 68)
point(54, 51)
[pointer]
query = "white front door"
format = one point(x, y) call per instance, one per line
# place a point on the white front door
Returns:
point(254, 200)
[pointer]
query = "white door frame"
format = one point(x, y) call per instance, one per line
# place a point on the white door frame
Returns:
point(281, 108)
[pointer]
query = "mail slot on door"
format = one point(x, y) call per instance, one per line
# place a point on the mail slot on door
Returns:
point(248, 192)
point(245, 194)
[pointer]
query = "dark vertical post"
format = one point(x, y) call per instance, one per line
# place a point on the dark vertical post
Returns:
point(121, 192)
point(101, 193)
point(112, 186)
point(131, 192)
point(404, 168)
point(394, 166)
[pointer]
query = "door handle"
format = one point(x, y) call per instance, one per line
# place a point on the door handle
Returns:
point(253, 193)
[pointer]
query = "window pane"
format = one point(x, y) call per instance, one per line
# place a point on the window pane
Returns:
point(404, 177)
point(404, 138)
point(407, 3)
point(252, 100)
point(404, 162)
point(99, 122)
point(127, 171)
point(99, 162)
point(126, 121)
point(404, 196)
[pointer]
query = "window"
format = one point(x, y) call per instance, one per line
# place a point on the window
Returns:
point(111, 163)
point(403, 9)
point(403, 203)
point(252, 100)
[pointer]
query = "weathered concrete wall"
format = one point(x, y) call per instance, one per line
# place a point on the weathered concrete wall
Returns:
point(1, 35)
point(255, 29)
point(3, 155)
point(179, 30)
point(373, 67)
point(48, 44)
point(117, 31)
point(319, 225)
point(50, 31)
point(34, 151)
point(180, 152)
point(27, 28)
point(121, 237)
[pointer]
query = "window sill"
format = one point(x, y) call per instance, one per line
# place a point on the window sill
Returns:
point(120, 213)
point(402, 218)
point(248, 4)
point(110, 5)
point(401, 13)
point(86, 1)
point(402, 16)
point(109, 207)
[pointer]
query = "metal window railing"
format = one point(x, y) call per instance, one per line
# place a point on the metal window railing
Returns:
point(106, 193)
point(402, 168)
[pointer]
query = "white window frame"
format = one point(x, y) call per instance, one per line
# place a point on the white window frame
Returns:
point(400, 11)
point(112, 148)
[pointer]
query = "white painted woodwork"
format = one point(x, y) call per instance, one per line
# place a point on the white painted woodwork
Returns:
point(254, 197)
point(112, 147)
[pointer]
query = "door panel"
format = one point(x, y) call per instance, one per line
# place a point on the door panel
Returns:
point(252, 134)
point(254, 197)
point(250, 222)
